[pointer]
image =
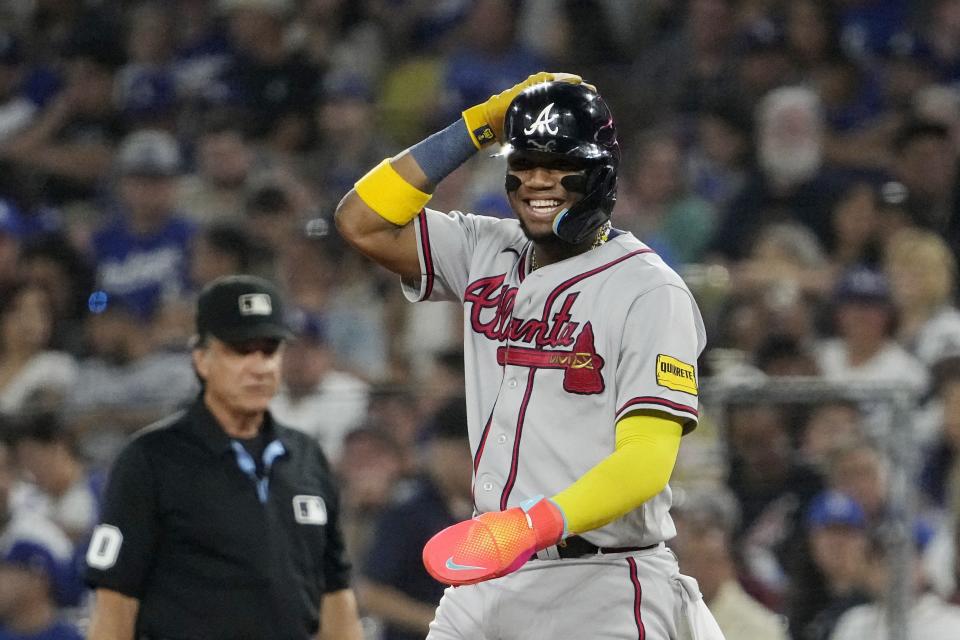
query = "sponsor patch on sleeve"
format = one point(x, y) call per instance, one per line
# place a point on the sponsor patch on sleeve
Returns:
point(484, 134)
point(676, 374)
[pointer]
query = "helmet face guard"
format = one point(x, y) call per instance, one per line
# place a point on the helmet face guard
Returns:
point(572, 122)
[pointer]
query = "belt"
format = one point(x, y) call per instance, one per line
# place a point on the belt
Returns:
point(577, 547)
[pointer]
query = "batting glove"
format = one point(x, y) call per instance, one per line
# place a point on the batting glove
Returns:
point(493, 544)
point(485, 120)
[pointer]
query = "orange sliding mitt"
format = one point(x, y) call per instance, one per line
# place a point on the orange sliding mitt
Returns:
point(493, 544)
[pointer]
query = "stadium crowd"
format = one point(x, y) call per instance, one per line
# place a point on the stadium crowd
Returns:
point(797, 161)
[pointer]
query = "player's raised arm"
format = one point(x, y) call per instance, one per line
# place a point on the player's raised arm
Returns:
point(375, 215)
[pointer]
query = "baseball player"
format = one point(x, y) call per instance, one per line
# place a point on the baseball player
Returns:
point(580, 351)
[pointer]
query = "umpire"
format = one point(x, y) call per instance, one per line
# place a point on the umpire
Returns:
point(219, 523)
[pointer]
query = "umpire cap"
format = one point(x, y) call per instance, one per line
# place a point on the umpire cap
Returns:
point(242, 307)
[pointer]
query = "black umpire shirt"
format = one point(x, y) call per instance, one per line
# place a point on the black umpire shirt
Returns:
point(213, 550)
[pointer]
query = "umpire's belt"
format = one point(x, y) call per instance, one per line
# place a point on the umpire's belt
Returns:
point(577, 547)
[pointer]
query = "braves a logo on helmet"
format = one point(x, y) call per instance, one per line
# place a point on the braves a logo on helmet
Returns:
point(546, 122)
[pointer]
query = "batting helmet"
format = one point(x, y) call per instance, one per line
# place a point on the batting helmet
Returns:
point(572, 121)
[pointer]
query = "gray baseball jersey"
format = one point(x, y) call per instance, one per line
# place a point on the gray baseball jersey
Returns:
point(556, 356)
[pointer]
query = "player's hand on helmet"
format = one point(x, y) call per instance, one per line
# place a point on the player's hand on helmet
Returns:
point(485, 120)
point(493, 544)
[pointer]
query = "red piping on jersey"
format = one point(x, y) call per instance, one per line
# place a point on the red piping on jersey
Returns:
point(637, 599)
point(522, 271)
point(483, 441)
point(566, 284)
point(427, 256)
point(663, 402)
point(515, 461)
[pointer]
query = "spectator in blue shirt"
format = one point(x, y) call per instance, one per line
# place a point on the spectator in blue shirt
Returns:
point(28, 575)
point(142, 256)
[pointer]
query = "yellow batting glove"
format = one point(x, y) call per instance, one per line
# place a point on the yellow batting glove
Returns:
point(485, 120)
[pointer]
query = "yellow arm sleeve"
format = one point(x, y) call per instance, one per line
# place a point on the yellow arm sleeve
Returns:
point(639, 469)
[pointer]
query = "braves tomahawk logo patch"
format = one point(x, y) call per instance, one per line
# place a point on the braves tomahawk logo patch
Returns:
point(581, 364)
point(583, 374)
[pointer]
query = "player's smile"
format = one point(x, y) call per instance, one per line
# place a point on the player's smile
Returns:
point(540, 195)
point(543, 208)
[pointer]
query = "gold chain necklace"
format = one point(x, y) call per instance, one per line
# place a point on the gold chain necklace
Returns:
point(603, 234)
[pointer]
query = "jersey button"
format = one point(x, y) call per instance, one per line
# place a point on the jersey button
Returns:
point(502, 438)
point(512, 383)
point(487, 486)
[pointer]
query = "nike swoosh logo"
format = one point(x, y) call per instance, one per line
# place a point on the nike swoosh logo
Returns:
point(453, 566)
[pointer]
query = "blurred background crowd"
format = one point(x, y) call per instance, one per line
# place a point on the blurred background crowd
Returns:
point(797, 161)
